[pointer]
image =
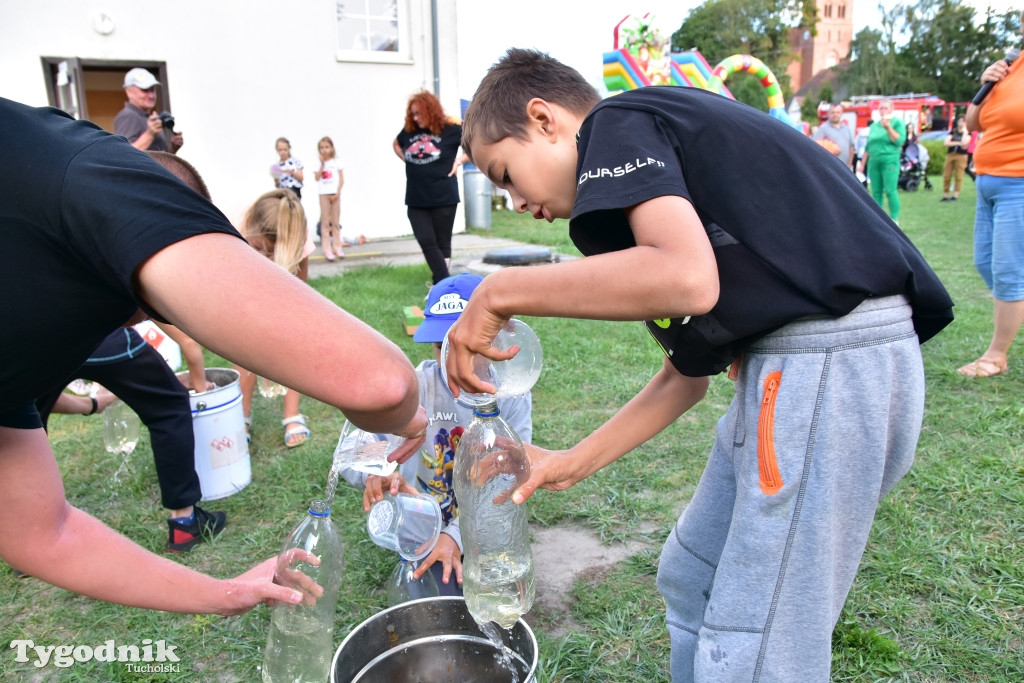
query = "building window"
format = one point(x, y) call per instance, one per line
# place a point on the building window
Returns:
point(373, 30)
point(841, 11)
point(828, 11)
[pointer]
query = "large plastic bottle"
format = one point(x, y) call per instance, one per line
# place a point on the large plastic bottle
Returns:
point(497, 564)
point(120, 428)
point(403, 587)
point(300, 645)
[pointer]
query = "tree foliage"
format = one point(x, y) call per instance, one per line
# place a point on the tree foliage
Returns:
point(874, 67)
point(947, 53)
point(944, 52)
point(721, 28)
point(936, 46)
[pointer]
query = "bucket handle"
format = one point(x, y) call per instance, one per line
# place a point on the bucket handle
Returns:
point(202, 406)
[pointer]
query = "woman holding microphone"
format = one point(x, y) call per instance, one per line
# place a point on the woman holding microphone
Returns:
point(999, 219)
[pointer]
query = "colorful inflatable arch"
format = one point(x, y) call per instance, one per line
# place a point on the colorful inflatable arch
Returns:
point(751, 65)
point(640, 58)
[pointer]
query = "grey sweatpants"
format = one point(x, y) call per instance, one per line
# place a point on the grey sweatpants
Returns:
point(824, 423)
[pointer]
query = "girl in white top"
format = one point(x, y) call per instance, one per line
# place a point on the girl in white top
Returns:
point(287, 171)
point(329, 181)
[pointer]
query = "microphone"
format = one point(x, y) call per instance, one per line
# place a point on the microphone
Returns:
point(1011, 56)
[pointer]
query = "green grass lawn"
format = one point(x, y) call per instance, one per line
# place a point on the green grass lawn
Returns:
point(939, 596)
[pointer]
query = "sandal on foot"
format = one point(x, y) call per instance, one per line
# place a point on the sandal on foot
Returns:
point(297, 428)
point(329, 255)
point(983, 368)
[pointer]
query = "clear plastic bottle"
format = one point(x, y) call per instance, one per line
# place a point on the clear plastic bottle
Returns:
point(512, 377)
point(497, 564)
point(403, 587)
point(300, 645)
point(120, 428)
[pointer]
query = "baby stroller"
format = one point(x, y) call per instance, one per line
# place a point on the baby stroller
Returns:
point(913, 162)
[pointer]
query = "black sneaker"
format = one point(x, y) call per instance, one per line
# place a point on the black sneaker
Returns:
point(183, 537)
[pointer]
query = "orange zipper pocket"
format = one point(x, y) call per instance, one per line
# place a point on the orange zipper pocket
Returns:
point(767, 465)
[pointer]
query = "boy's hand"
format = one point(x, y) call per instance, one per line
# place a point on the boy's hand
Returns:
point(377, 486)
point(472, 334)
point(446, 551)
point(553, 470)
point(502, 458)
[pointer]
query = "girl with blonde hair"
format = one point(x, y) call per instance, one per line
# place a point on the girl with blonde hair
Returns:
point(275, 226)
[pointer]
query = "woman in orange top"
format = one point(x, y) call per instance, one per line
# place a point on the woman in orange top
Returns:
point(999, 221)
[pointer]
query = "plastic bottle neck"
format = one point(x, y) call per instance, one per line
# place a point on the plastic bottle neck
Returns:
point(319, 508)
point(489, 409)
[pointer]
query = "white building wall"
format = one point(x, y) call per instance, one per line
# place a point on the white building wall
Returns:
point(242, 73)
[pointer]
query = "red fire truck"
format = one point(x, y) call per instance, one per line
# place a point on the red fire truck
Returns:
point(923, 111)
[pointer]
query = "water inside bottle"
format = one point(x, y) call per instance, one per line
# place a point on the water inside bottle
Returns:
point(300, 639)
point(499, 587)
point(298, 647)
point(120, 428)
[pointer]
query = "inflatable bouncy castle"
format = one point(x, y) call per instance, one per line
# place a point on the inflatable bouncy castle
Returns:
point(641, 57)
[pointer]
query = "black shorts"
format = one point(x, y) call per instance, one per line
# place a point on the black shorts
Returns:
point(24, 416)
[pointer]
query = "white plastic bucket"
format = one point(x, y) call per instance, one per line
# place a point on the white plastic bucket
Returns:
point(222, 452)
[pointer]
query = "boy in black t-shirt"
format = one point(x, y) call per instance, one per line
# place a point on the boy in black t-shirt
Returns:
point(740, 242)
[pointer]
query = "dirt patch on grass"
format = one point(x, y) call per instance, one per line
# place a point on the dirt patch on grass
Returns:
point(560, 554)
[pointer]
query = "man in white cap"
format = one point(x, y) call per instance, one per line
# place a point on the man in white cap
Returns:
point(138, 121)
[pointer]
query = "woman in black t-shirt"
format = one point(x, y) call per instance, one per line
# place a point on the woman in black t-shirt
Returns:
point(956, 159)
point(429, 145)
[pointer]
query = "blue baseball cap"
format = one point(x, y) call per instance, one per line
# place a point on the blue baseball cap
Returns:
point(444, 306)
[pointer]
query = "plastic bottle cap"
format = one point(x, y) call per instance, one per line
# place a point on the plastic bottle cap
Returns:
point(486, 411)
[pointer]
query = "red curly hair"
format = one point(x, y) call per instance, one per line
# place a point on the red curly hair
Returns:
point(430, 109)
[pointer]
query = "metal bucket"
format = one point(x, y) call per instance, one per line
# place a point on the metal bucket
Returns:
point(433, 639)
point(478, 190)
point(221, 451)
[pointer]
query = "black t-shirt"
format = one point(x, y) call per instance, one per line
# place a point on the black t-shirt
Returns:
point(793, 232)
point(80, 210)
point(428, 161)
point(964, 139)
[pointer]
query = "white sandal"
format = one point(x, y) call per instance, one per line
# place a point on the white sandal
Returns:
point(290, 432)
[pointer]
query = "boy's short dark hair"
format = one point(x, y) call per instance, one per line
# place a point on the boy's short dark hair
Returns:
point(498, 109)
point(184, 171)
